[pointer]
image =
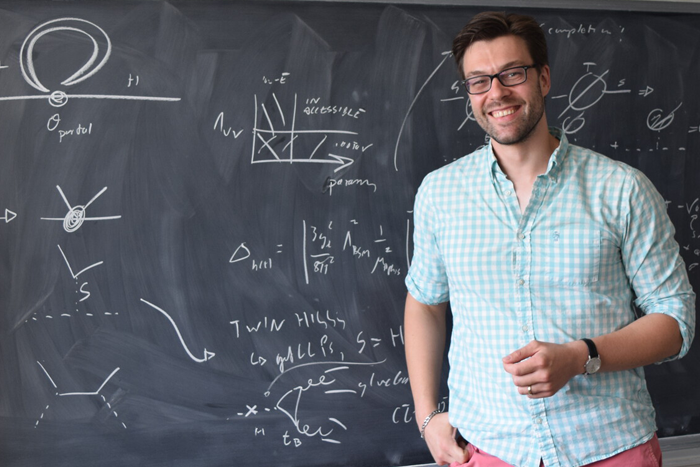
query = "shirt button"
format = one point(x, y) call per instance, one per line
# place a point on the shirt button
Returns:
point(538, 421)
point(521, 282)
point(526, 328)
point(521, 236)
point(508, 193)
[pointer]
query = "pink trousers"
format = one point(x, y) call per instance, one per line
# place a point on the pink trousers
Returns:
point(645, 455)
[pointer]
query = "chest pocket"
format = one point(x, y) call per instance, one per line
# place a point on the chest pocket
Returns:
point(570, 256)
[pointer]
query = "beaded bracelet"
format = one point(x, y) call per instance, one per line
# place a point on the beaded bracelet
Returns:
point(426, 421)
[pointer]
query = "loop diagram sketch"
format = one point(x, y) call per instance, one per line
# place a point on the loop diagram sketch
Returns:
point(102, 49)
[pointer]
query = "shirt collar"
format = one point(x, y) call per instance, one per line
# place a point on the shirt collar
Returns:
point(556, 160)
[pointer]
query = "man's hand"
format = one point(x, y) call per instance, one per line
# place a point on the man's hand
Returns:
point(545, 368)
point(440, 437)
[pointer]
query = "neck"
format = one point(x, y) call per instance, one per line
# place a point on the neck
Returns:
point(524, 161)
point(529, 158)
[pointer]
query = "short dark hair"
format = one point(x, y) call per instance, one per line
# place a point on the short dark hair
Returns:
point(490, 25)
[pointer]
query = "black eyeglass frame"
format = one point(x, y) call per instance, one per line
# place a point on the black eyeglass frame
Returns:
point(498, 76)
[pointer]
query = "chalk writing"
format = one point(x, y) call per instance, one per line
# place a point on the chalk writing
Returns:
point(342, 111)
point(281, 80)
point(581, 29)
point(399, 379)
point(219, 126)
point(309, 319)
point(349, 182)
point(80, 130)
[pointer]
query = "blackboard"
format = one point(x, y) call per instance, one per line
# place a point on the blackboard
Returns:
point(206, 216)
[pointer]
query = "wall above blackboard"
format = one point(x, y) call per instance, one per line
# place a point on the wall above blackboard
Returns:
point(205, 214)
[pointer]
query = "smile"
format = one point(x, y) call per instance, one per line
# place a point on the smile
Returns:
point(503, 113)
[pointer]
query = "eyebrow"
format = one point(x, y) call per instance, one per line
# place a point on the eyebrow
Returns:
point(510, 64)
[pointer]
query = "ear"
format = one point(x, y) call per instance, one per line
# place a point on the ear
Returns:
point(544, 79)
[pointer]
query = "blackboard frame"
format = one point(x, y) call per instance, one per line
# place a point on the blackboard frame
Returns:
point(675, 7)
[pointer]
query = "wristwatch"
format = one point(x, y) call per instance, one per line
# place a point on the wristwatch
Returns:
point(593, 363)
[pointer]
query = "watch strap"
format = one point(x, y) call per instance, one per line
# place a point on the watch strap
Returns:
point(592, 349)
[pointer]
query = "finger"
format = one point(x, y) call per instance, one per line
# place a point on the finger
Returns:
point(535, 391)
point(458, 453)
point(454, 454)
point(523, 369)
point(526, 376)
point(529, 391)
point(440, 437)
point(522, 353)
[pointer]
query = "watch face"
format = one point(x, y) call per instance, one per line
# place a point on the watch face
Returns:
point(592, 365)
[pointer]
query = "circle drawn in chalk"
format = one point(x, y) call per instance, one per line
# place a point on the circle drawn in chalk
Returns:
point(96, 61)
point(58, 99)
point(74, 219)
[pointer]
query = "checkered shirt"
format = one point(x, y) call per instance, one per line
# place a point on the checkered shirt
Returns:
point(595, 238)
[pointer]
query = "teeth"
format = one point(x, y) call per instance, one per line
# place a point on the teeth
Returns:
point(503, 113)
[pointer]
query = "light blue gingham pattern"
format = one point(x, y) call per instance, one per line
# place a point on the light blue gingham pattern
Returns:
point(594, 238)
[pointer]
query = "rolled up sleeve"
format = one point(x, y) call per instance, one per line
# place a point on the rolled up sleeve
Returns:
point(426, 280)
point(654, 266)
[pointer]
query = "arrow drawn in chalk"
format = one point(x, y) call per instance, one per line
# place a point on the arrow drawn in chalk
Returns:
point(207, 355)
point(9, 215)
point(245, 253)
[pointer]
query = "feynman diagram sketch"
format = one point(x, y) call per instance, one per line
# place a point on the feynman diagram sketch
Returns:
point(102, 49)
point(80, 393)
point(75, 216)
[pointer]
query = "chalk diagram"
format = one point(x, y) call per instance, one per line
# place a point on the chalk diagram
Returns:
point(590, 88)
point(264, 153)
point(102, 49)
point(468, 112)
point(586, 92)
point(82, 393)
point(9, 216)
point(207, 355)
point(81, 289)
point(410, 107)
point(289, 403)
point(76, 214)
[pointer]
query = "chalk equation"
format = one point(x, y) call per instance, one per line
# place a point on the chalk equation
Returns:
point(322, 245)
point(319, 254)
point(691, 209)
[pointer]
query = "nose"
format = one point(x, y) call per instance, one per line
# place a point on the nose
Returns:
point(497, 89)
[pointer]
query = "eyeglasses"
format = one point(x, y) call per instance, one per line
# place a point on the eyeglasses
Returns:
point(508, 77)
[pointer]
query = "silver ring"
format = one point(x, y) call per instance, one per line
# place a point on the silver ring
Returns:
point(529, 390)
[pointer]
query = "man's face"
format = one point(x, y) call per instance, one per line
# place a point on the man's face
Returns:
point(508, 114)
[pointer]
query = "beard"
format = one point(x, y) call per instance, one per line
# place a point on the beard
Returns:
point(520, 130)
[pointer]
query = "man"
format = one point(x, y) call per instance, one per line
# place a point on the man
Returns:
point(538, 244)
